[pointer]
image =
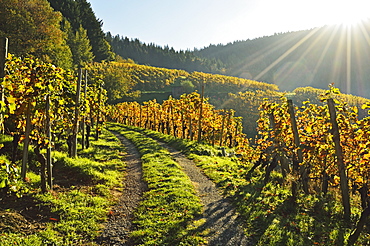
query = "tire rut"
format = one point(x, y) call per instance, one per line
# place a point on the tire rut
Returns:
point(222, 221)
point(117, 229)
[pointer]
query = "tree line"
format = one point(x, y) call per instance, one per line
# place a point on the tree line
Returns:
point(159, 56)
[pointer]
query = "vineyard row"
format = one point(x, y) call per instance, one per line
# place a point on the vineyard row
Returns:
point(43, 105)
point(321, 146)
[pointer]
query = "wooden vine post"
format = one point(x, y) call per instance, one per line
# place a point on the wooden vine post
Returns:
point(297, 142)
point(174, 127)
point(26, 141)
point(273, 163)
point(49, 165)
point(131, 116)
point(272, 121)
point(222, 127)
point(125, 116)
point(134, 117)
point(77, 114)
point(236, 132)
point(174, 123)
point(3, 56)
point(146, 117)
point(228, 124)
point(154, 125)
point(213, 136)
point(168, 128)
point(182, 125)
point(97, 130)
point(339, 154)
point(140, 116)
point(200, 115)
point(190, 128)
point(83, 123)
point(160, 119)
point(299, 156)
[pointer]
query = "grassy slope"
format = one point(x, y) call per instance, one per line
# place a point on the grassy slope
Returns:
point(81, 199)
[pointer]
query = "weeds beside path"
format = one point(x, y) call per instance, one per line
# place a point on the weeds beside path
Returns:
point(222, 223)
point(117, 229)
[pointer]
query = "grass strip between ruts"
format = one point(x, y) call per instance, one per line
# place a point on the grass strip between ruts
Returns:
point(167, 214)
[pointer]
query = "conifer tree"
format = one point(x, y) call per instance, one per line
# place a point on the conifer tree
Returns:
point(79, 44)
point(80, 12)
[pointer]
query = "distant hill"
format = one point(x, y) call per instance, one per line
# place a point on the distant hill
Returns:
point(315, 57)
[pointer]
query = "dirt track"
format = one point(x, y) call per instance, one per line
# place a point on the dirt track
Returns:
point(221, 220)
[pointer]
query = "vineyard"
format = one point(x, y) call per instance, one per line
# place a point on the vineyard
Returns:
point(41, 103)
point(127, 81)
point(316, 147)
point(306, 156)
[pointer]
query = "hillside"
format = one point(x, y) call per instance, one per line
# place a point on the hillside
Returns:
point(70, 34)
point(128, 81)
point(315, 57)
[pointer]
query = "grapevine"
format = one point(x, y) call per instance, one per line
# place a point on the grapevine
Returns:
point(39, 105)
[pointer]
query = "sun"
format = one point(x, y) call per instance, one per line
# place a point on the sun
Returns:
point(345, 12)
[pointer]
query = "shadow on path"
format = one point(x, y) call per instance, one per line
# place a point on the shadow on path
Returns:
point(119, 226)
point(221, 220)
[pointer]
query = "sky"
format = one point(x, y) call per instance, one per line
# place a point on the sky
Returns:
point(189, 24)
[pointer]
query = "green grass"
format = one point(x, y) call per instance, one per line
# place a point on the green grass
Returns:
point(167, 214)
point(79, 214)
point(79, 208)
point(272, 217)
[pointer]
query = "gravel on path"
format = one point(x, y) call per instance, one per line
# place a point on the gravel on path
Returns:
point(222, 221)
point(119, 225)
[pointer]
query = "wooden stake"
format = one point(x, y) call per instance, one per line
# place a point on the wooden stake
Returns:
point(299, 157)
point(98, 114)
point(339, 154)
point(140, 115)
point(77, 114)
point(26, 142)
point(297, 141)
point(49, 165)
point(190, 129)
point(3, 56)
point(200, 115)
point(84, 118)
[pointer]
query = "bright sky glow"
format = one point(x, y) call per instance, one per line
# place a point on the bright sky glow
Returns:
point(346, 12)
point(198, 23)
